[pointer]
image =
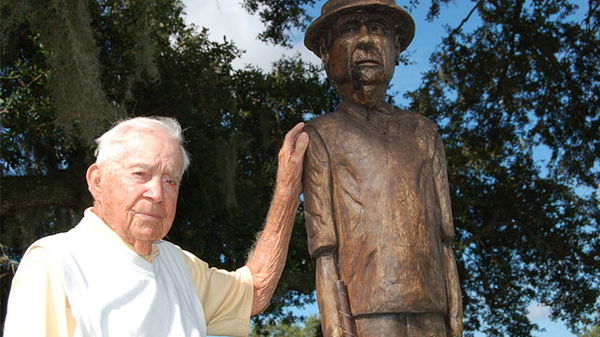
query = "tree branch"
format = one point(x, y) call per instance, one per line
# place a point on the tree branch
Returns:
point(20, 192)
point(455, 30)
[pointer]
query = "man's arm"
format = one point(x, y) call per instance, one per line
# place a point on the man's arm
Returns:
point(37, 304)
point(267, 260)
point(451, 273)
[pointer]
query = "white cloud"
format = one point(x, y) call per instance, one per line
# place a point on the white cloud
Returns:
point(538, 312)
point(228, 18)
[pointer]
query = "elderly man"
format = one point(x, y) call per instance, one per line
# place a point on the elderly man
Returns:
point(376, 196)
point(113, 275)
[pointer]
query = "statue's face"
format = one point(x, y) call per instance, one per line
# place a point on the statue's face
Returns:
point(363, 50)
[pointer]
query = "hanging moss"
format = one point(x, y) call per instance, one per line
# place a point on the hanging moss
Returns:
point(143, 49)
point(12, 14)
point(227, 163)
point(83, 109)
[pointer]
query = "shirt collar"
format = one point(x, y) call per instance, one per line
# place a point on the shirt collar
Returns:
point(362, 112)
point(102, 228)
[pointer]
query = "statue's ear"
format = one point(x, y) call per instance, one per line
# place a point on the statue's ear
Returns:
point(324, 51)
point(399, 43)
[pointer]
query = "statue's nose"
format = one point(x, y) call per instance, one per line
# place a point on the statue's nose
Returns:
point(364, 35)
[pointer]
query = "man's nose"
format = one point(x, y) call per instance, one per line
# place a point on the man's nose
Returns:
point(154, 189)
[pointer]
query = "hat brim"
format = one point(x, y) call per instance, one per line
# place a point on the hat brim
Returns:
point(318, 27)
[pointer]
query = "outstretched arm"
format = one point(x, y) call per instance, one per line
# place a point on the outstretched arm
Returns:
point(267, 260)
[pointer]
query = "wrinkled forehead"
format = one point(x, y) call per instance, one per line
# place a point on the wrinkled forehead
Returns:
point(138, 144)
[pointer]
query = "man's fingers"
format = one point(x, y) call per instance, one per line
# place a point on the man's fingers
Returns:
point(289, 142)
point(291, 136)
point(298, 127)
point(301, 143)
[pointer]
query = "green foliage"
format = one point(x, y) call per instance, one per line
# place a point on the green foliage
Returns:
point(149, 63)
point(286, 328)
point(70, 51)
point(279, 17)
point(524, 80)
point(593, 332)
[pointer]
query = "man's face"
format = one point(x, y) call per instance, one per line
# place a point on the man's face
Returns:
point(136, 192)
point(363, 50)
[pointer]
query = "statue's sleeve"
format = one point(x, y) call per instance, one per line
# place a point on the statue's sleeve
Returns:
point(441, 188)
point(453, 292)
point(317, 189)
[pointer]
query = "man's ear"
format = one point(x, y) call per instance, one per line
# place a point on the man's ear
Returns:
point(94, 180)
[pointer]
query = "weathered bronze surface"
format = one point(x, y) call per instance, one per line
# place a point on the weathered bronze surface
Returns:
point(378, 213)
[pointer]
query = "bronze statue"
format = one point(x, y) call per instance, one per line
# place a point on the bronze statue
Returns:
point(378, 213)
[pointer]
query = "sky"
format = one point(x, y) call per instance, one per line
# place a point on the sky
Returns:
point(226, 19)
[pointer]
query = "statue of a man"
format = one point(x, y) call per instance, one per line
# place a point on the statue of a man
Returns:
point(378, 213)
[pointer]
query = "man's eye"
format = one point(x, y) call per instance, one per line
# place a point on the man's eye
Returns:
point(140, 175)
point(170, 181)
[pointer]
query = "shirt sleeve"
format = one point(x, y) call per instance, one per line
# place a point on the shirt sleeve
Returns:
point(441, 188)
point(37, 304)
point(317, 191)
point(226, 297)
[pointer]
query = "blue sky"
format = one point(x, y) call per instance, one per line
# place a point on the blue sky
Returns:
point(226, 19)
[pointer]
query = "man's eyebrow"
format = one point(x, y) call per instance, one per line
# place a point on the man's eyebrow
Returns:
point(139, 165)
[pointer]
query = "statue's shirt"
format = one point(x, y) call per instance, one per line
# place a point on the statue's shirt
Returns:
point(376, 195)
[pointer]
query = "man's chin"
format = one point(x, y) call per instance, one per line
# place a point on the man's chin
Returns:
point(149, 236)
point(148, 231)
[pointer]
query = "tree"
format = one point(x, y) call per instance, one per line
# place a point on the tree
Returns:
point(524, 77)
point(287, 328)
point(140, 59)
point(593, 332)
point(279, 17)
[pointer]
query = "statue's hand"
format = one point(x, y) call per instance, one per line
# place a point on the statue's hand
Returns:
point(291, 161)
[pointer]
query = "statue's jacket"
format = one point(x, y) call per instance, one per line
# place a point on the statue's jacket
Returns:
point(377, 199)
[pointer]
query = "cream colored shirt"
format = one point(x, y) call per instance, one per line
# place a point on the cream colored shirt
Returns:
point(38, 305)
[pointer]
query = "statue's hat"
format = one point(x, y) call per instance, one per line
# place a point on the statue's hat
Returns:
point(333, 9)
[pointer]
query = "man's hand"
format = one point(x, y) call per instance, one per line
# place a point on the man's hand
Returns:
point(267, 260)
point(291, 162)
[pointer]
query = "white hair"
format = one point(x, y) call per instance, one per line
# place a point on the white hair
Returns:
point(109, 143)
